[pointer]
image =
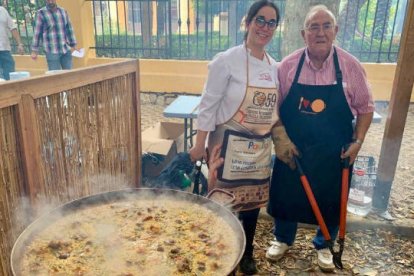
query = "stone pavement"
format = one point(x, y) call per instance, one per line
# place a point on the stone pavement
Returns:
point(402, 196)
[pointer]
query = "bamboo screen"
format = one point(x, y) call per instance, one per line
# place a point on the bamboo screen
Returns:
point(86, 136)
point(11, 195)
point(63, 137)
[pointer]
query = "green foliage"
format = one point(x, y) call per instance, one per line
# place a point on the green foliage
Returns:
point(24, 10)
point(374, 51)
point(175, 46)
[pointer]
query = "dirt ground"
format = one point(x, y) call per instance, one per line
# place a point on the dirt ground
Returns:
point(367, 252)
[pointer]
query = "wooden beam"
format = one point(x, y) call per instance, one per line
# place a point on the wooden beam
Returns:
point(397, 114)
point(31, 152)
point(138, 131)
point(46, 85)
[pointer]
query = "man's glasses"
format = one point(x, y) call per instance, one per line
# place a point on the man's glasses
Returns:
point(317, 28)
point(261, 22)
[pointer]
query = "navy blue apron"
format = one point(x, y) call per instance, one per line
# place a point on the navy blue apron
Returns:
point(318, 120)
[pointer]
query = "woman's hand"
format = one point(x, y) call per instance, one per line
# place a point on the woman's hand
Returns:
point(197, 153)
point(213, 164)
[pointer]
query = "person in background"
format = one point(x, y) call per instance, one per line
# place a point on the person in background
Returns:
point(53, 27)
point(323, 88)
point(238, 109)
point(7, 26)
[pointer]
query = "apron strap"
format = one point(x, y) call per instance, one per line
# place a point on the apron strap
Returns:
point(247, 64)
point(338, 71)
point(301, 61)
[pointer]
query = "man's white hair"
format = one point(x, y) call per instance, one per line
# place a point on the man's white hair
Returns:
point(316, 9)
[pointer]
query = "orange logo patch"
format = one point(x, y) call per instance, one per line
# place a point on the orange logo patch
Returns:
point(312, 107)
point(318, 105)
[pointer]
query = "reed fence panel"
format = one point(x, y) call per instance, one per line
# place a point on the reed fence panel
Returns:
point(65, 136)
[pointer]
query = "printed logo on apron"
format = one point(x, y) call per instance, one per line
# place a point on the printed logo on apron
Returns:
point(247, 157)
point(311, 106)
point(257, 111)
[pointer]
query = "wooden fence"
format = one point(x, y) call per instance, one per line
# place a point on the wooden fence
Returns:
point(64, 136)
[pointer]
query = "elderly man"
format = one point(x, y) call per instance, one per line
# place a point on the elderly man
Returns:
point(54, 28)
point(6, 60)
point(323, 88)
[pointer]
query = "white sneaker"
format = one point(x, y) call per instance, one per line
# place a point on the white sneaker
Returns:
point(276, 251)
point(325, 261)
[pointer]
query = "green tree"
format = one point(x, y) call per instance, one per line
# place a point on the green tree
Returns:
point(295, 12)
point(381, 18)
point(348, 21)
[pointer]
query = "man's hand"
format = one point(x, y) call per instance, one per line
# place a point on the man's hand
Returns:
point(213, 164)
point(20, 49)
point(351, 152)
point(33, 55)
point(284, 148)
point(73, 49)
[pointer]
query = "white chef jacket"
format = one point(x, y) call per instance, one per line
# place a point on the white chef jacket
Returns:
point(226, 83)
point(6, 25)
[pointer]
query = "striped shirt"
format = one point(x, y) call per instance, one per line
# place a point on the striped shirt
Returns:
point(55, 30)
point(356, 87)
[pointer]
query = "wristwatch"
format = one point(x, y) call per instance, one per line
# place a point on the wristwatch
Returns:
point(357, 141)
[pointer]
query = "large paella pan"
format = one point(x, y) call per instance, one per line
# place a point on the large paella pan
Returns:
point(132, 232)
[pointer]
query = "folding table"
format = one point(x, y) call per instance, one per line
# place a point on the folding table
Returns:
point(185, 107)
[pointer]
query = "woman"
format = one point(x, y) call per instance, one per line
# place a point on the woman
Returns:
point(238, 110)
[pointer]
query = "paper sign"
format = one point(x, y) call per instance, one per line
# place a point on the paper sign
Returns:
point(79, 54)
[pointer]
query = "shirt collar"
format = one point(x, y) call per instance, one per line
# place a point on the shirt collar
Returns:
point(255, 59)
point(325, 64)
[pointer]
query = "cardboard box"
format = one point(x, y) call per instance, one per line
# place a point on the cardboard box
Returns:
point(160, 144)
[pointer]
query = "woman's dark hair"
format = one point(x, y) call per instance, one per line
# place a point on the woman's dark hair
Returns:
point(254, 9)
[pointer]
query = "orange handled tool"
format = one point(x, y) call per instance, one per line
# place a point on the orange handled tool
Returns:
point(337, 256)
point(313, 203)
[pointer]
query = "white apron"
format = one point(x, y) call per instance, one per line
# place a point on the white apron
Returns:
point(246, 146)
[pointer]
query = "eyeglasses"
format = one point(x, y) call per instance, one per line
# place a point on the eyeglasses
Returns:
point(261, 22)
point(317, 28)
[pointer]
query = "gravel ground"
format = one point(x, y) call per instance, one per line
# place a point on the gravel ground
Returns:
point(367, 252)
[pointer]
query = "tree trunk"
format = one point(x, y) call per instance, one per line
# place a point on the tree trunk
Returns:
point(295, 13)
point(348, 21)
point(381, 18)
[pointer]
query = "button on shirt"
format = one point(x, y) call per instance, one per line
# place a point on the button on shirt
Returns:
point(6, 25)
point(55, 30)
point(357, 90)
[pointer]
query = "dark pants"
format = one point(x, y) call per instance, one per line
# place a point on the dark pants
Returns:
point(285, 231)
point(249, 222)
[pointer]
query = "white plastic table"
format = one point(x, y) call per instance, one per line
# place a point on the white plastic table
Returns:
point(185, 107)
